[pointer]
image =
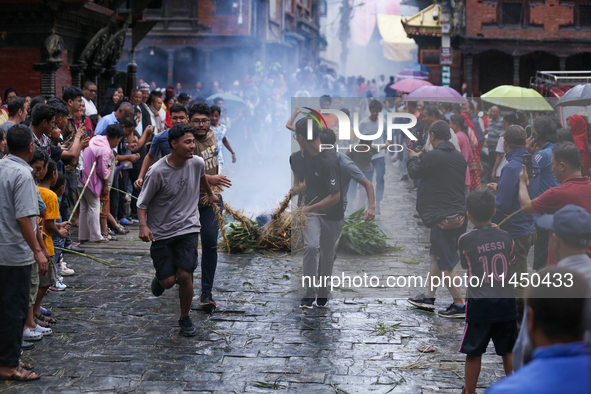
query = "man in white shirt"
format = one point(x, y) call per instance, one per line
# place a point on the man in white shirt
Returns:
point(89, 95)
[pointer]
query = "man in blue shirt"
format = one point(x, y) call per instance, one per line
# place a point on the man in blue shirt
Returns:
point(561, 361)
point(544, 137)
point(519, 226)
point(125, 109)
point(160, 145)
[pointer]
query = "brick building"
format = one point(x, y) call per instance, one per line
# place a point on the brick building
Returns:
point(46, 45)
point(504, 42)
point(223, 39)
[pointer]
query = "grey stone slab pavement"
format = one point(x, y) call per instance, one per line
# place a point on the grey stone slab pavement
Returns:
point(114, 336)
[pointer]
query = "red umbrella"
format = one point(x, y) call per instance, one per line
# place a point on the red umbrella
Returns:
point(408, 85)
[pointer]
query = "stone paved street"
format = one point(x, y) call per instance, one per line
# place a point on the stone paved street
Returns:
point(114, 336)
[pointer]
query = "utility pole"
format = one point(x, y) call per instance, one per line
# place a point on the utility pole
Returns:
point(446, 58)
point(345, 33)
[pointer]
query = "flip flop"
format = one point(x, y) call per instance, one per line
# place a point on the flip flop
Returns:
point(21, 375)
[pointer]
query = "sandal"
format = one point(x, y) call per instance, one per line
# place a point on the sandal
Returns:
point(40, 323)
point(46, 319)
point(21, 375)
point(119, 230)
point(26, 366)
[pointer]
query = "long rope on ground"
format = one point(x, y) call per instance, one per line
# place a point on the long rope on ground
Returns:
point(103, 262)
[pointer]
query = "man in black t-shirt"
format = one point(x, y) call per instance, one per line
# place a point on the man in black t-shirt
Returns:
point(491, 309)
point(324, 204)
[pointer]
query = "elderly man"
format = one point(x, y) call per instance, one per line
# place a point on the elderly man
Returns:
point(441, 203)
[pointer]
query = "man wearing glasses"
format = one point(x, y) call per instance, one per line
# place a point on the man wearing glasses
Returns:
point(89, 91)
point(205, 147)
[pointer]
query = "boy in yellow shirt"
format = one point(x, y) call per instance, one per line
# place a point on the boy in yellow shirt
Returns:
point(50, 227)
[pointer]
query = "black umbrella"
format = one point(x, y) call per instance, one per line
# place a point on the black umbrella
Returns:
point(578, 96)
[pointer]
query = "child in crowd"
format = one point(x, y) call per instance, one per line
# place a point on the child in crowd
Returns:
point(50, 227)
point(58, 242)
point(220, 131)
point(491, 309)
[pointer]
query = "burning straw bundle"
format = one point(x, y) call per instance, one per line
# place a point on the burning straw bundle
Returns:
point(278, 235)
point(243, 235)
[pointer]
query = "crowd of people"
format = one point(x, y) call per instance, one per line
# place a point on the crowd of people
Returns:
point(141, 159)
point(543, 170)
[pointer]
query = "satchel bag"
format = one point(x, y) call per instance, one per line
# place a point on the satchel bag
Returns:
point(451, 222)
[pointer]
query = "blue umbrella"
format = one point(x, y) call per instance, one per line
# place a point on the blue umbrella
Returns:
point(419, 67)
point(578, 96)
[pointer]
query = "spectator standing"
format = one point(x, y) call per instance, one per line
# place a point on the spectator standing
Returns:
point(491, 311)
point(574, 187)
point(20, 251)
point(493, 132)
point(570, 234)
point(458, 125)
point(99, 151)
point(370, 127)
point(578, 127)
point(520, 226)
point(17, 112)
point(561, 360)
point(441, 205)
point(89, 91)
point(540, 148)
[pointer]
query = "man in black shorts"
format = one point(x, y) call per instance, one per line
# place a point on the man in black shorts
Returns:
point(491, 310)
point(169, 217)
point(440, 197)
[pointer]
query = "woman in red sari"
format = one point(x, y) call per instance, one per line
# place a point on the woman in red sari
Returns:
point(474, 165)
point(578, 127)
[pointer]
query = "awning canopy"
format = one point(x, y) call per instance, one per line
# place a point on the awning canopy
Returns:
point(397, 45)
point(422, 24)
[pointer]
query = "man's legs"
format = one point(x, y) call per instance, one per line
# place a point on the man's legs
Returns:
point(185, 288)
point(311, 248)
point(90, 211)
point(14, 304)
point(209, 246)
point(123, 182)
point(379, 166)
point(133, 175)
point(541, 249)
point(520, 251)
point(329, 233)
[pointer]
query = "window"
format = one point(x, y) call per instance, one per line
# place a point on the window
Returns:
point(585, 15)
point(512, 13)
point(226, 7)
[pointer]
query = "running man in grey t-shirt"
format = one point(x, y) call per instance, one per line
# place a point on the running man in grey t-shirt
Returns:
point(169, 217)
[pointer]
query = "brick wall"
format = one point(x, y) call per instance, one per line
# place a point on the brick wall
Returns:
point(16, 70)
point(63, 77)
point(550, 15)
point(225, 24)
